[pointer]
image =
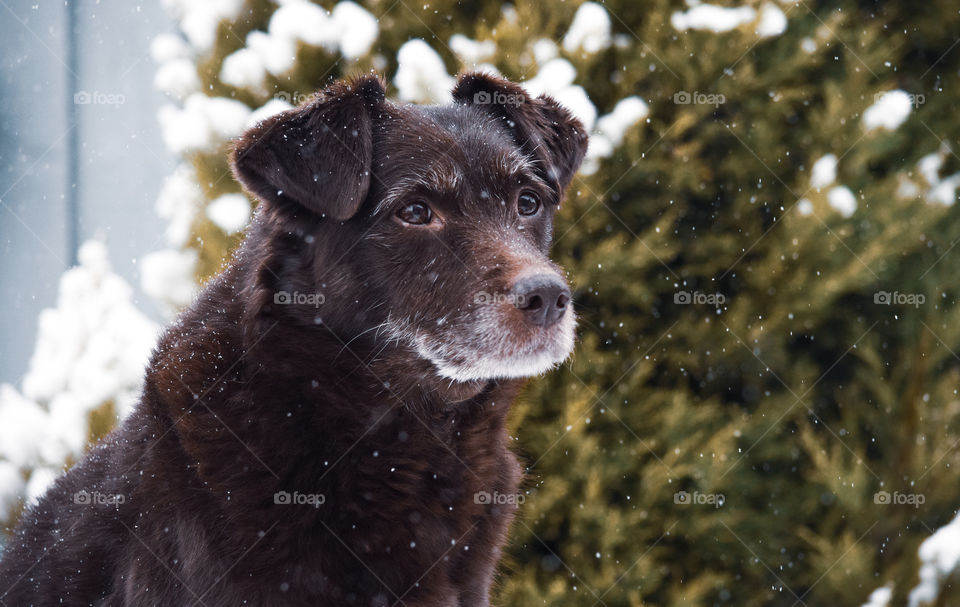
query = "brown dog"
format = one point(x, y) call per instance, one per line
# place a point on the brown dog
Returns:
point(325, 425)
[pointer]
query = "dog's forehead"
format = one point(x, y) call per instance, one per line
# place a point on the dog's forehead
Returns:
point(446, 145)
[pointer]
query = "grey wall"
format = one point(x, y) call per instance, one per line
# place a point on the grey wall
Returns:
point(71, 170)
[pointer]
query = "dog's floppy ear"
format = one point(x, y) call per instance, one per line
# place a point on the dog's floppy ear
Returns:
point(318, 155)
point(541, 126)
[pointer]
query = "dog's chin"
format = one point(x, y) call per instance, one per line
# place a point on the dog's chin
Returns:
point(491, 353)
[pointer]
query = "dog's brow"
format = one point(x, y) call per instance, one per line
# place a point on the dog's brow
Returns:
point(442, 178)
point(514, 166)
point(512, 163)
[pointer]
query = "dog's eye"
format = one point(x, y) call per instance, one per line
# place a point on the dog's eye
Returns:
point(415, 213)
point(528, 204)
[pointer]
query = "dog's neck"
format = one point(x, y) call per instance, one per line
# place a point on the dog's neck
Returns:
point(386, 369)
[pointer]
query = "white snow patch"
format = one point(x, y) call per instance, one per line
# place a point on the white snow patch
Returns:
point(243, 68)
point(421, 75)
point(555, 78)
point(357, 29)
point(230, 212)
point(773, 21)
point(167, 47)
point(880, 597)
point(590, 29)
point(544, 50)
point(889, 111)
point(276, 53)
point(929, 167)
point(270, 108)
point(178, 201)
point(611, 129)
point(625, 114)
point(906, 188)
point(823, 172)
point(940, 556)
point(40, 480)
point(940, 191)
point(167, 276)
point(177, 78)
point(842, 200)
point(349, 29)
point(201, 122)
point(303, 21)
point(200, 20)
point(945, 192)
point(470, 51)
point(712, 17)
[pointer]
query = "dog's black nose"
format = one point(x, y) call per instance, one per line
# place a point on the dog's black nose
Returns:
point(543, 298)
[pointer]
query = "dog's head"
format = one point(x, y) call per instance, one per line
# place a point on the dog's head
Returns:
point(427, 225)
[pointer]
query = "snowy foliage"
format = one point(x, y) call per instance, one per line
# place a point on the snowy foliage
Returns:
point(202, 122)
point(842, 200)
point(611, 129)
point(168, 277)
point(590, 30)
point(199, 20)
point(470, 51)
point(421, 75)
point(938, 191)
point(231, 212)
point(348, 29)
point(824, 171)
point(91, 350)
point(888, 111)
point(880, 597)
point(939, 557)
point(772, 21)
point(710, 17)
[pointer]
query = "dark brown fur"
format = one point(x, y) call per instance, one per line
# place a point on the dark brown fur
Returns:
point(246, 397)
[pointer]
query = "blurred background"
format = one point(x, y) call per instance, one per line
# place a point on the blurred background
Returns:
point(762, 408)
